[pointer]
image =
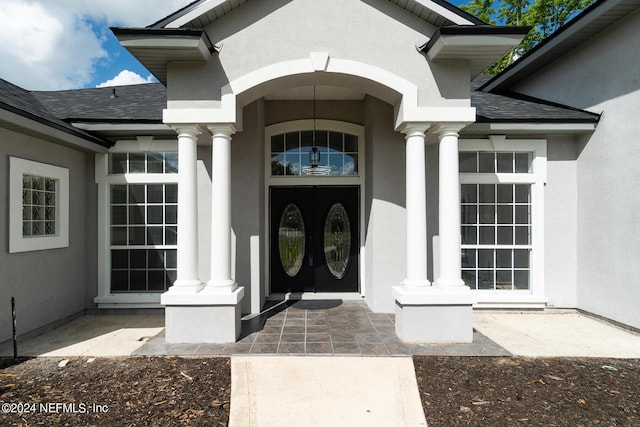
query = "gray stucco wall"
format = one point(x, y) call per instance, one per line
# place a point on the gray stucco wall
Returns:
point(385, 213)
point(602, 76)
point(61, 282)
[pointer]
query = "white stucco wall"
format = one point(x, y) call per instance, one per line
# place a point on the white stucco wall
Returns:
point(260, 34)
point(602, 76)
point(561, 222)
point(60, 282)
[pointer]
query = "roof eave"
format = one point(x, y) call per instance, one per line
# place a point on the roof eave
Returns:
point(54, 132)
point(542, 127)
point(567, 35)
point(480, 45)
point(156, 47)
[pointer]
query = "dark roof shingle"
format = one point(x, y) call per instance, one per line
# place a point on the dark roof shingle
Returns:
point(516, 108)
point(133, 103)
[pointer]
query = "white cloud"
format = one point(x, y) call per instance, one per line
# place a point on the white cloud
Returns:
point(48, 45)
point(126, 77)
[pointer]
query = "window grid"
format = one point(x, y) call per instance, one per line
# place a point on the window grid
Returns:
point(496, 162)
point(143, 236)
point(38, 205)
point(142, 270)
point(338, 153)
point(496, 236)
point(140, 163)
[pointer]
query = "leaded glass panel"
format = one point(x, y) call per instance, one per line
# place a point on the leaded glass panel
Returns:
point(291, 240)
point(337, 241)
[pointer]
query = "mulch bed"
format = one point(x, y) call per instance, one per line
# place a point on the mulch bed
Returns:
point(455, 391)
point(487, 391)
point(134, 391)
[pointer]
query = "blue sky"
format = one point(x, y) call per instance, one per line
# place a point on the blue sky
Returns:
point(67, 44)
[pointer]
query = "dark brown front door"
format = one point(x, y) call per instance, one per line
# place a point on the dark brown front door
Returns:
point(314, 234)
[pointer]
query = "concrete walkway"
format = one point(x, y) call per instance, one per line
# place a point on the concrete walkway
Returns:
point(282, 391)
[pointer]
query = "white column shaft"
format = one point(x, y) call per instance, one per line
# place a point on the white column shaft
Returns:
point(416, 200)
point(187, 256)
point(449, 210)
point(221, 208)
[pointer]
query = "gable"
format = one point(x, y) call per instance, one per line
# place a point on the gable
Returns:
point(201, 13)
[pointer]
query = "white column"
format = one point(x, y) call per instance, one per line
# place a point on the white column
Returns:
point(416, 198)
point(187, 280)
point(221, 278)
point(449, 207)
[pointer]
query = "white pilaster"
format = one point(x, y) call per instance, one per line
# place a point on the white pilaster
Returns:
point(449, 207)
point(416, 204)
point(221, 278)
point(187, 281)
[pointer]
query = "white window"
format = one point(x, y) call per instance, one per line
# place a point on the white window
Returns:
point(502, 219)
point(39, 206)
point(138, 192)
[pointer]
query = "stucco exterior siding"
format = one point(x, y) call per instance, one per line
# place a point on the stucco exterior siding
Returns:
point(259, 35)
point(385, 213)
point(561, 222)
point(60, 282)
point(607, 173)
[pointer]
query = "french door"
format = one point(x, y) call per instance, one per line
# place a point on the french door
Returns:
point(314, 235)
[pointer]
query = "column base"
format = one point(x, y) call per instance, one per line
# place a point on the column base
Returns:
point(443, 283)
point(416, 283)
point(434, 314)
point(202, 318)
point(185, 288)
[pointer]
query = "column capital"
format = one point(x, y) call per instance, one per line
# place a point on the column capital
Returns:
point(190, 130)
point(449, 129)
point(414, 128)
point(224, 130)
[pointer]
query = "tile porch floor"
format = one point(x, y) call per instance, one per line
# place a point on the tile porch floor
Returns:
point(322, 327)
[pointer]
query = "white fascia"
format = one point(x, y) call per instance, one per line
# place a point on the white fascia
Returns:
point(196, 13)
point(535, 128)
point(112, 127)
point(444, 12)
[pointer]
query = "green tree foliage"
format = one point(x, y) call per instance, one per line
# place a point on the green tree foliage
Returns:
point(543, 16)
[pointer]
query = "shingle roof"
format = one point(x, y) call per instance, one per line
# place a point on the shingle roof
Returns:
point(510, 107)
point(24, 103)
point(134, 103)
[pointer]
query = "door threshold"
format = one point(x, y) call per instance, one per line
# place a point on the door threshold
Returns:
point(346, 296)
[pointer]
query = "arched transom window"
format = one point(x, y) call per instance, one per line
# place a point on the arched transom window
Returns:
point(319, 152)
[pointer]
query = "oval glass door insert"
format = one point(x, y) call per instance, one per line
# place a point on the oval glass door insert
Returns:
point(337, 241)
point(291, 240)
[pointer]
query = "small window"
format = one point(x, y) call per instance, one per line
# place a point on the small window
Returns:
point(39, 206)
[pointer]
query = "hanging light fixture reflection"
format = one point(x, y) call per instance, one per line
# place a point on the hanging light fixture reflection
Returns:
point(314, 154)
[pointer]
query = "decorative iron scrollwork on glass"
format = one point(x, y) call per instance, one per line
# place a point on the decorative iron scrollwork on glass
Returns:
point(291, 240)
point(337, 241)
